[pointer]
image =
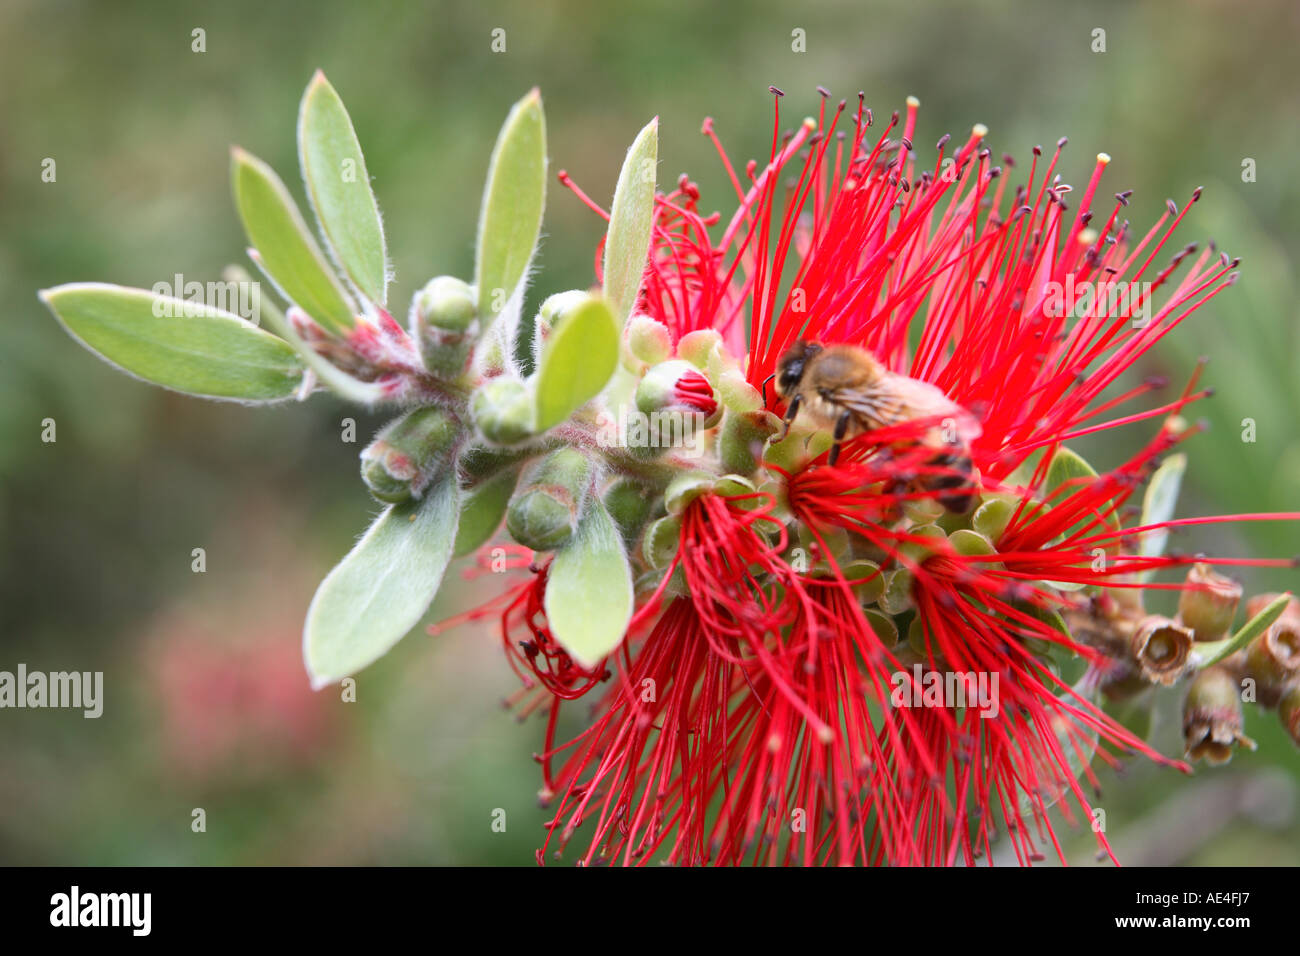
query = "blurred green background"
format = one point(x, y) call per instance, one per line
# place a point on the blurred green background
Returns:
point(206, 704)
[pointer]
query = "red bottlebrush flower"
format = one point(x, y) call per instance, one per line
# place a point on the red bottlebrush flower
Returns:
point(833, 668)
point(694, 391)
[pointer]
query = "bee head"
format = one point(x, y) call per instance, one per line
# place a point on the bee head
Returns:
point(790, 369)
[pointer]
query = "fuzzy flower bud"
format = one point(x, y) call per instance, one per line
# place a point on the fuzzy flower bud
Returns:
point(445, 325)
point(740, 444)
point(630, 504)
point(1161, 648)
point(544, 512)
point(552, 313)
point(402, 459)
point(503, 411)
point(646, 342)
point(1208, 603)
point(661, 541)
point(676, 386)
point(696, 347)
point(1212, 717)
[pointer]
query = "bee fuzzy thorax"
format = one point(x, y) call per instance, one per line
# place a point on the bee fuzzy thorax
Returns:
point(844, 389)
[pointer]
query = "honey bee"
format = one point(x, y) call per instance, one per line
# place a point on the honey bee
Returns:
point(847, 390)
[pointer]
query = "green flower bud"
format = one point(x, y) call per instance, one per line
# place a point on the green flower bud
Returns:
point(544, 512)
point(1208, 603)
point(552, 313)
point(630, 504)
point(884, 626)
point(677, 386)
point(646, 342)
point(923, 510)
point(993, 515)
point(970, 543)
point(736, 393)
point(661, 541)
point(445, 323)
point(933, 541)
point(696, 347)
point(405, 456)
point(898, 591)
point(741, 440)
point(1212, 717)
point(867, 582)
point(685, 488)
point(502, 408)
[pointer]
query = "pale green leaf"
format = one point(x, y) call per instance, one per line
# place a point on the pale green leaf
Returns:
point(1210, 653)
point(1068, 472)
point(631, 218)
point(589, 589)
point(510, 219)
point(1158, 505)
point(577, 361)
point(384, 585)
point(286, 251)
point(484, 510)
point(339, 188)
point(185, 346)
point(1067, 466)
point(330, 375)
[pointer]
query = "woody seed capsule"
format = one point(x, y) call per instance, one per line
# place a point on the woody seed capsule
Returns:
point(1208, 603)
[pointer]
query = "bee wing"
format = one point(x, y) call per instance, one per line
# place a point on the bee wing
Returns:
point(897, 399)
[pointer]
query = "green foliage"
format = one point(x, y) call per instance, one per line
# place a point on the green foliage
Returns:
point(285, 249)
point(339, 188)
point(180, 345)
point(382, 588)
point(510, 220)
point(577, 361)
point(589, 589)
point(631, 218)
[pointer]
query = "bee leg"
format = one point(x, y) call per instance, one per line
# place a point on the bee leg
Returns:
point(790, 412)
point(841, 429)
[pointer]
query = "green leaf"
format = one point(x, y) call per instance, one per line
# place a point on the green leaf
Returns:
point(1066, 466)
point(577, 361)
point(330, 375)
point(286, 252)
point(992, 517)
point(339, 188)
point(510, 219)
point(384, 585)
point(589, 589)
point(631, 219)
point(484, 509)
point(1211, 652)
point(185, 346)
point(1158, 505)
